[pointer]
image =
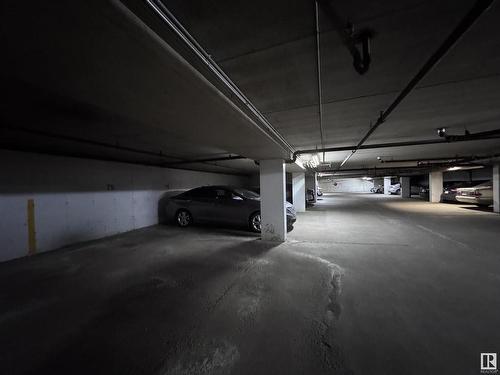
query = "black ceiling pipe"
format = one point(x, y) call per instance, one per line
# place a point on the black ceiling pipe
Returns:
point(477, 10)
point(468, 135)
point(158, 154)
point(388, 170)
point(83, 155)
point(454, 158)
point(220, 158)
point(364, 171)
point(70, 138)
point(491, 134)
point(361, 60)
point(470, 18)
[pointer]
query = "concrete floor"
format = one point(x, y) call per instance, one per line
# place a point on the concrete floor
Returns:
point(366, 284)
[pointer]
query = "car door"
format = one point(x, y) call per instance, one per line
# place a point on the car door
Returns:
point(203, 203)
point(230, 207)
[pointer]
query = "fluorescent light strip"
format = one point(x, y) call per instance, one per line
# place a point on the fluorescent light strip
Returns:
point(347, 158)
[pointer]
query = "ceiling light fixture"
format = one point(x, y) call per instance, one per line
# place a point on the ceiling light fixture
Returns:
point(314, 161)
point(346, 159)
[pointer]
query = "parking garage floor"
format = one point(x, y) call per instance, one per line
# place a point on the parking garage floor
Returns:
point(366, 284)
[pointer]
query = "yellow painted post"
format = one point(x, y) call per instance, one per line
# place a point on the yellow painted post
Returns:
point(31, 227)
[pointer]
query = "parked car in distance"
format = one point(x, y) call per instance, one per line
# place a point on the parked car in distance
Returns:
point(310, 197)
point(395, 189)
point(415, 189)
point(424, 192)
point(319, 192)
point(379, 189)
point(450, 190)
point(480, 195)
point(221, 204)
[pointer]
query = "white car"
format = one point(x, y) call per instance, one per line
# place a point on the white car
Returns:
point(480, 195)
point(395, 189)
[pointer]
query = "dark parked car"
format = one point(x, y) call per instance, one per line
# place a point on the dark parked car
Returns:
point(310, 197)
point(222, 204)
point(424, 192)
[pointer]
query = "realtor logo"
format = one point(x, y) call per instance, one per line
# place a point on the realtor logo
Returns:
point(489, 363)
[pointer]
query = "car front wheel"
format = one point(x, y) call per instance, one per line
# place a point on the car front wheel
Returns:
point(255, 222)
point(183, 218)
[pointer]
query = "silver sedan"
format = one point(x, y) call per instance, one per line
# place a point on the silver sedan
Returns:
point(221, 204)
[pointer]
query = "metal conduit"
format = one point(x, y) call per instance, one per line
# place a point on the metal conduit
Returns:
point(470, 18)
point(320, 89)
point(492, 134)
point(196, 48)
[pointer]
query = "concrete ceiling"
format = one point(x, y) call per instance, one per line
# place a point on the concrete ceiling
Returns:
point(91, 79)
point(269, 50)
point(95, 71)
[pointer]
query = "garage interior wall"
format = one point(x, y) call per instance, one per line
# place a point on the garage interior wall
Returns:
point(481, 174)
point(345, 185)
point(79, 199)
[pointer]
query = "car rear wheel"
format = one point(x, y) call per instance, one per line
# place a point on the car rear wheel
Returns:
point(183, 218)
point(255, 222)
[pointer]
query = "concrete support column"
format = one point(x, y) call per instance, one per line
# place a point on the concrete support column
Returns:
point(315, 185)
point(496, 188)
point(387, 185)
point(299, 191)
point(272, 200)
point(405, 187)
point(435, 186)
point(311, 183)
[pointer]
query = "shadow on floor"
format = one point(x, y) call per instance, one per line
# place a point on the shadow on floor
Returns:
point(214, 229)
point(479, 209)
point(154, 310)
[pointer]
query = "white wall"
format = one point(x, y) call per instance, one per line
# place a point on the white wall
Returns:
point(345, 185)
point(72, 200)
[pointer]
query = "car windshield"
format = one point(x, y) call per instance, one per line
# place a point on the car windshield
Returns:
point(246, 193)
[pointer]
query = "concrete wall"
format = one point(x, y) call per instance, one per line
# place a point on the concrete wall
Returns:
point(483, 174)
point(254, 182)
point(345, 185)
point(78, 199)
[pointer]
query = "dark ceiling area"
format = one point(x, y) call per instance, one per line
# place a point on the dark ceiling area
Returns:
point(270, 52)
point(111, 80)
